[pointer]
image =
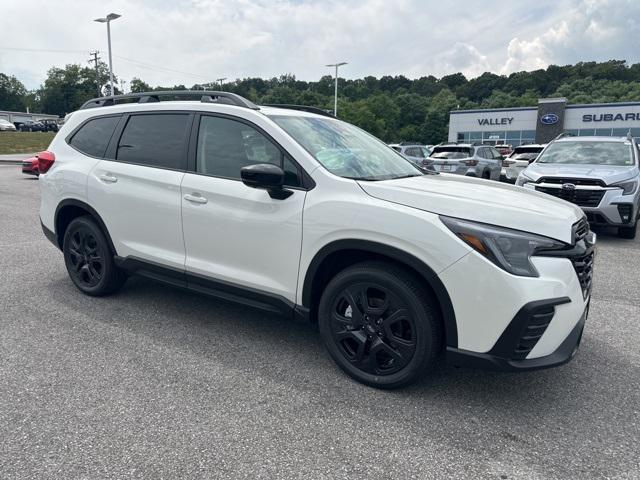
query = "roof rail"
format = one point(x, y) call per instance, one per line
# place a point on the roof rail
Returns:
point(205, 96)
point(302, 108)
point(410, 143)
point(564, 134)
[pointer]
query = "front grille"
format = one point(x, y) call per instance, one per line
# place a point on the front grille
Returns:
point(535, 327)
point(583, 266)
point(575, 181)
point(626, 211)
point(582, 198)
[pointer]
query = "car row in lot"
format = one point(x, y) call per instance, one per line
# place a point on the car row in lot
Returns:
point(48, 125)
point(598, 174)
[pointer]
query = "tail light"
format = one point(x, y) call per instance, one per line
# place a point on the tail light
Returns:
point(45, 161)
point(470, 163)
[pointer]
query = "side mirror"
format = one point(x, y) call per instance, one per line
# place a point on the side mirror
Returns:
point(265, 176)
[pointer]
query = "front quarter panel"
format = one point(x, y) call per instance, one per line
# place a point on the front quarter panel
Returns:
point(341, 210)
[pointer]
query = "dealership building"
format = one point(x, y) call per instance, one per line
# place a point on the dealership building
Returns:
point(540, 124)
point(18, 117)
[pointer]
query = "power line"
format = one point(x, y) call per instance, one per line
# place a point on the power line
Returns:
point(159, 68)
point(45, 50)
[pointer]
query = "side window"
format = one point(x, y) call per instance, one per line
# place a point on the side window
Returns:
point(93, 137)
point(225, 146)
point(157, 140)
point(480, 152)
point(496, 154)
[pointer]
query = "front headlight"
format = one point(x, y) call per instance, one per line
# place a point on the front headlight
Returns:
point(509, 249)
point(628, 187)
point(522, 179)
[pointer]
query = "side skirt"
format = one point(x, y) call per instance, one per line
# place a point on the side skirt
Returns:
point(212, 287)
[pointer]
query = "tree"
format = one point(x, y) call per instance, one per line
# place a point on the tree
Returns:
point(12, 93)
point(138, 86)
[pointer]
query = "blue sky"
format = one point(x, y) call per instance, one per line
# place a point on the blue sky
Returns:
point(172, 42)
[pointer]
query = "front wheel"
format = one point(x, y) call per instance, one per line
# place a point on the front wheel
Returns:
point(379, 325)
point(89, 260)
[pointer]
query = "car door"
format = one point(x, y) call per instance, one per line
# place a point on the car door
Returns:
point(136, 188)
point(496, 164)
point(238, 239)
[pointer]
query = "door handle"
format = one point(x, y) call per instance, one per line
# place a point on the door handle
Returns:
point(108, 178)
point(195, 198)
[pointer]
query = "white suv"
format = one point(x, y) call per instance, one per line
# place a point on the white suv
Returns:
point(300, 213)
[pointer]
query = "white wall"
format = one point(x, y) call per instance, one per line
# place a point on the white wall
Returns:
point(470, 121)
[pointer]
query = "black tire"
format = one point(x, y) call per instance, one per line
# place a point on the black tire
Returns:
point(89, 260)
point(486, 175)
point(399, 322)
point(628, 232)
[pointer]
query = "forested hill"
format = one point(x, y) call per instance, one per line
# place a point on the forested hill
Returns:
point(392, 108)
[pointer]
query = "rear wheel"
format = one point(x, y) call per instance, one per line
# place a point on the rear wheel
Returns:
point(486, 175)
point(378, 324)
point(89, 259)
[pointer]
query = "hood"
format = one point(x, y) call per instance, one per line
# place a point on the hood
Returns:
point(607, 173)
point(481, 201)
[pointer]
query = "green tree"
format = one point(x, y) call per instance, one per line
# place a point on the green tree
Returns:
point(12, 93)
point(138, 86)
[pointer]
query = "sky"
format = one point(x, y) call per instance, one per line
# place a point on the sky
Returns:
point(172, 42)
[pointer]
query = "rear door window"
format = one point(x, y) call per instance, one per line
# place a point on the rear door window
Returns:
point(157, 140)
point(451, 153)
point(93, 137)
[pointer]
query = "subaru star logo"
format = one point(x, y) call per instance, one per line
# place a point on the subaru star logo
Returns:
point(568, 186)
point(549, 119)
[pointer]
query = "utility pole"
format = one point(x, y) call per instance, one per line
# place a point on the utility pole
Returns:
point(220, 80)
point(95, 60)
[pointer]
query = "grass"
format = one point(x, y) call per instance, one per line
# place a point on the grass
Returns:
point(24, 142)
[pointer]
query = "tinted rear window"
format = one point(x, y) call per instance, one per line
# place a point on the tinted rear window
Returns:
point(157, 140)
point(93, 137)
point(451, 152)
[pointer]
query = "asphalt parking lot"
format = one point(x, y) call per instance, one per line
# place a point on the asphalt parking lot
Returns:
point(159, 383)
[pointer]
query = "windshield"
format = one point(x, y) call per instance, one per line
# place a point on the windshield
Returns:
point(588, 153)
point(345, 150)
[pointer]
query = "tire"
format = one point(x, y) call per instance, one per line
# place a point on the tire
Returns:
point(628, 232)
point(486, 175)
point(399, 322)
point(89, 260)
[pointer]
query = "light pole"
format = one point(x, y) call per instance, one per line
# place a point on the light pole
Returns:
point(107, 20)
point(220, 80)
point(335, 100)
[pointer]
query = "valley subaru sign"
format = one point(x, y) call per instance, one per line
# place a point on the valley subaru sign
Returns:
point(495, 121)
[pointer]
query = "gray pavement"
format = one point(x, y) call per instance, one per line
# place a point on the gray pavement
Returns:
point(158, 383)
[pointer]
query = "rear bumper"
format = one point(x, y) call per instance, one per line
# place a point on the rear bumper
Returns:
point(494, 360)
point(51, 236)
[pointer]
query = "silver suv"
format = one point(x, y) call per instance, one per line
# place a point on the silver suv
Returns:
point(473, 160)
point(599, 174)
point(414, 152)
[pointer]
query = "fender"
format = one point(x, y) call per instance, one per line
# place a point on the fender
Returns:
point(432, 279)
point(84, 206)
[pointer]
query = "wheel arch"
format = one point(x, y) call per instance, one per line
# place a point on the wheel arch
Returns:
point(340, 254)
point(72, 208)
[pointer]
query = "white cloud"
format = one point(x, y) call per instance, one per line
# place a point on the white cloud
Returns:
point(208, 39)
point(588, 30)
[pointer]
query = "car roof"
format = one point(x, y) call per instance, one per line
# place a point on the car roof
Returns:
point(593, 139)
point(532, 145)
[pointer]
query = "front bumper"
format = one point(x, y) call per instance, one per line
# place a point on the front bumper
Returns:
point(498, 359)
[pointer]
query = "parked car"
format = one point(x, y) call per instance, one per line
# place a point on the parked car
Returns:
point(30, 166)
point(414, 152)
point(473, 160)
point(31, 126)
point(294, 211)
point(50, 125)
point(504, 149)
point(599, 174)
point(6, 126)
point(519, 159)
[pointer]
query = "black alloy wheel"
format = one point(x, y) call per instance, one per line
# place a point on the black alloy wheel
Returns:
point(89, 259)
point(373, 329)
point(379, 324)
point(86, 257)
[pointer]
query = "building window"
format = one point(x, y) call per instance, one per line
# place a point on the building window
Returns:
point(575, 132)
point(587, 132)
point(604, 132)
